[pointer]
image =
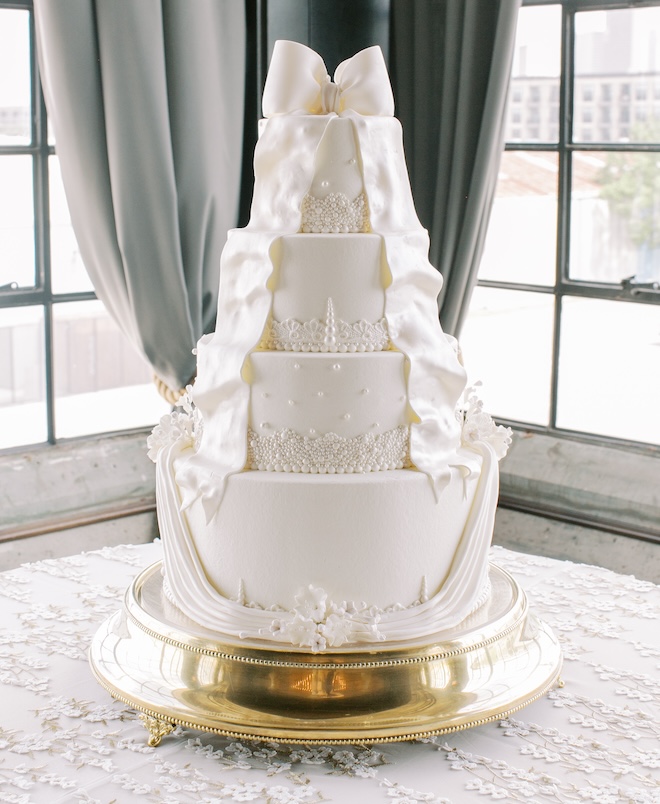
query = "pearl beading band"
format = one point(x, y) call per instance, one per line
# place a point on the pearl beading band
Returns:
point(335, 213)
point(288, 451)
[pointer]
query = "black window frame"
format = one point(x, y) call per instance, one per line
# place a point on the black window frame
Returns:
point(41, 294)
point(565, 286)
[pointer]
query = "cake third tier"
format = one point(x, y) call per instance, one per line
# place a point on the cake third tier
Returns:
point(328, 294)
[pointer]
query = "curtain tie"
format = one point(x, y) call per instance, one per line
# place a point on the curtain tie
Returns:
point(298, 83)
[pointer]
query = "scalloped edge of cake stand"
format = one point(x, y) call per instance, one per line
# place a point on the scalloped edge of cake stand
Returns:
point(175, 674)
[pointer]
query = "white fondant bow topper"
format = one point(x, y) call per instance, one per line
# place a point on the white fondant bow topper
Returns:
point(298, 83)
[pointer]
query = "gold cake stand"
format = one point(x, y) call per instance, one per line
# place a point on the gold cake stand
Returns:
point(174, 672)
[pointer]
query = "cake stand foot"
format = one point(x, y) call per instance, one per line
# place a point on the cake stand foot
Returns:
point(157, 729)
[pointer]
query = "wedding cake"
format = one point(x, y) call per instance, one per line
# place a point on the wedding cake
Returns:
point(328, 484)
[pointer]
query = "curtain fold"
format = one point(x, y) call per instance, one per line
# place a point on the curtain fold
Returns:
point(146, 102)
point(451, 62)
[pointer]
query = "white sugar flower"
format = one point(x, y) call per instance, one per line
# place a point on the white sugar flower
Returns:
point(311, 604)
point(300, 631)
point(317, 643)
point(479, 426)
point(336, 630)
point(184, 427)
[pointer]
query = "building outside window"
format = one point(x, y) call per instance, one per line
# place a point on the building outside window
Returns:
point(564, 325)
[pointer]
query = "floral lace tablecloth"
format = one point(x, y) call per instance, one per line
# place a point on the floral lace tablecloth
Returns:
point(63, 738)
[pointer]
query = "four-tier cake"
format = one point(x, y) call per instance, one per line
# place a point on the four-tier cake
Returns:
point(327, 483)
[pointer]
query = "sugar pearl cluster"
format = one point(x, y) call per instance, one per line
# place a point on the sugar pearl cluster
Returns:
point(288, 451)
point(335, 213)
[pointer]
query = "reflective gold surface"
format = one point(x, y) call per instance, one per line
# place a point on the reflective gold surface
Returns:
point(154, 659)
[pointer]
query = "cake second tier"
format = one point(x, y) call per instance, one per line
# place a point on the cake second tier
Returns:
point(328, 294)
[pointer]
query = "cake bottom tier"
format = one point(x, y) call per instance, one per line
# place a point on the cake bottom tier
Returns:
point(321, 561)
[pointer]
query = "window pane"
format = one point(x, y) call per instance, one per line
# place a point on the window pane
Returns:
point(68, 272)
point(507, 344)
point(522, 233)
point(533, 107)
point(609, 369)
point(101, 384)
point(14, 77)
point(617, 76)
point(22, 377)
point(615, 217)
point(17, 263)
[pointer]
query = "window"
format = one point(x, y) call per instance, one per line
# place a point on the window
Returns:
point(564, 325)
point(65, 368)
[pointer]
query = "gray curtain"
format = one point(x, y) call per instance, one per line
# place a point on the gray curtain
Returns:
point(146, 102)
point(450, 63)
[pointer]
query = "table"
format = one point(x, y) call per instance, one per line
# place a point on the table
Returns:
point(63, 738)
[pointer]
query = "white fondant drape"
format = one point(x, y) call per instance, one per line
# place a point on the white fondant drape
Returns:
point(450, 67)
point(146, 101)
point(284, 166)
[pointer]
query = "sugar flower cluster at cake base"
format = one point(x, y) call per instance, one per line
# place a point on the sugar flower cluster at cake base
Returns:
point(318, 623)
point(184, 427)
point(478, 426)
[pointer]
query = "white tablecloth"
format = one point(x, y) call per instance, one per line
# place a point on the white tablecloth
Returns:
point(63, 738)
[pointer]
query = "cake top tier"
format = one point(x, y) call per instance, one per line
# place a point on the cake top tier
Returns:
point(298, 84)
point(302, 108)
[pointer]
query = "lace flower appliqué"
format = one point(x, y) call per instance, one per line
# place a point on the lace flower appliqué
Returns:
point(479, 425)
point(183, 426)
